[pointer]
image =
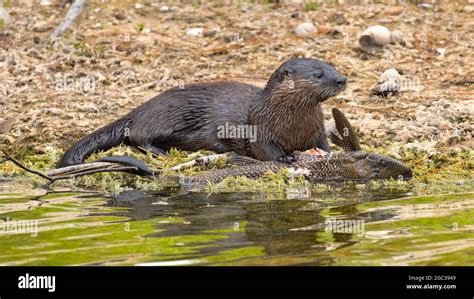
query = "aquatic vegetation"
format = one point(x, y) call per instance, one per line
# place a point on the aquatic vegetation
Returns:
point(448, 169)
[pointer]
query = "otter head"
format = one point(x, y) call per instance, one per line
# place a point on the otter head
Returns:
point(374, 166)
point(306, 79)
point(360, 164)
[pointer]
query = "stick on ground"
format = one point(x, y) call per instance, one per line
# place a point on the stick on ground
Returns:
point(72, 14)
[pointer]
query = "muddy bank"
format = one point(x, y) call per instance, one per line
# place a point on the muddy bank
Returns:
point(120, 55)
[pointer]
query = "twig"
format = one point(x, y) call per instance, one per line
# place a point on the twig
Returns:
point(74, 11)
point(201, 160)
point(79, 168)
point(11, 159)
point(71, 171)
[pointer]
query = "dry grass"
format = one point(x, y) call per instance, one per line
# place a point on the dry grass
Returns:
point(132, 54)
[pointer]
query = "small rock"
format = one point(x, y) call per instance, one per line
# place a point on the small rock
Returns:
point(138, 6)
point(394, 10)
point(53, 111)
point(388, 84)
point(444, 125)
point(374, 38)
point(323, 29)
point(119, 15)
point(164, 9)
point(41, 27)
point(125, 64)
point(440, 52)
point(45, 2)
point(212, 33)
point(305, 29)
point(425, 6)
point(195, 32)
point(390, 74)
point(396, 37)
point(468, 9)
point(338, 18)
point(4, 16)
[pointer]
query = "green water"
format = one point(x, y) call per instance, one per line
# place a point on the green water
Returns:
point(395, 227)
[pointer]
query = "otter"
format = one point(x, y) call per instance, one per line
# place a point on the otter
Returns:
point(352, 164)
point(286, 114)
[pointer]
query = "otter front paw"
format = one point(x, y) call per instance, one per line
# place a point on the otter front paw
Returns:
point(288, 159)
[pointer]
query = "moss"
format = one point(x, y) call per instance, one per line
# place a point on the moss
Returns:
point(270, 182)
point(442, 169)
point(139, 27)
point(312, 5)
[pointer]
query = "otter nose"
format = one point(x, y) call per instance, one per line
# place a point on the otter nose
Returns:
point(341, 80)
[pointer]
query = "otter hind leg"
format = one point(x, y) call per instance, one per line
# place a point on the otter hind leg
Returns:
point(268, 150)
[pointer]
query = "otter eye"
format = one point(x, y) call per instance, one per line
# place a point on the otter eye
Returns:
point(318, 74)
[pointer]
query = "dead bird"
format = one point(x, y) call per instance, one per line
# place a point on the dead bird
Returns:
point(353, 164)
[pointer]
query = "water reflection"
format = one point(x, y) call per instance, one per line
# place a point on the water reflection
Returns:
point(281, 227)
point(171, 228)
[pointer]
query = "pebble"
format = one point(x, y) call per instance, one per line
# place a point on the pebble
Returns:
point(125, 64)
point(468, 9)
point(45, 2)
point(305, 29)
point(394, 10)
point(41, 27)
point(53, 111)
point(212, 33)
point(396, 37)
point(195, 32)
point(441, 52)
point(444, 125)
point(374, 38)
point(389, 82)
point(425, 6)
point(120, 16)
point(4, 15)
point(164, 8)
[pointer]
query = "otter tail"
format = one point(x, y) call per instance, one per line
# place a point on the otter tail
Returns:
point(102, 139)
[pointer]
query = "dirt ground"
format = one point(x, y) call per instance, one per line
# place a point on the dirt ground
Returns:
point(121, 54)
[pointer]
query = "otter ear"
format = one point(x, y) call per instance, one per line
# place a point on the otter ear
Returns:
point(285, 73)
